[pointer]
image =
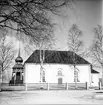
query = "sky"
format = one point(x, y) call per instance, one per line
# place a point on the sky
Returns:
point(87, 14)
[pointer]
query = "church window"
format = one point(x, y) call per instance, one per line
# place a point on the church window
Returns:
point(43, 77)
point(92, 78)
point(76, 76)
point(59, 73)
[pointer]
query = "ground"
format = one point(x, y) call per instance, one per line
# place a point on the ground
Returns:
point(49, 97)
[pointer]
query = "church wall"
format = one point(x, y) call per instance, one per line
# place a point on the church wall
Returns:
point(32, 73)
point(94, 79)
point(84, 73)
point(52, 73)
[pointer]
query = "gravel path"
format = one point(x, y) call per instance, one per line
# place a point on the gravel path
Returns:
point(49, 97)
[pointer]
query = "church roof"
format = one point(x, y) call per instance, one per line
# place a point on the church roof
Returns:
point(94, 71)
point(19, 59)
point(18, 66)
point(57, 57)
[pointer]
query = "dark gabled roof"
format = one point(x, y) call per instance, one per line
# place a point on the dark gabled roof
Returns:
point(61, 57)
point(94, 71)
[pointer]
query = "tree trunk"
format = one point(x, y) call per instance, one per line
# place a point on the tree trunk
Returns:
point(75, 77)
point(0, 79)
point(1, 76)
point(2, 73)
point(102, 78)
point(41, 64)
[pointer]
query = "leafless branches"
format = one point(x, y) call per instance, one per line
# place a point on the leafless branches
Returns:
point(75, 43)
point(30, 15)
point(96, 49)
point(6, 53)
point(97, 46)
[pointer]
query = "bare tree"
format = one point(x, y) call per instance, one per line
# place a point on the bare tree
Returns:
point(96, 49)
point(31, 15)
point(6, 54)
point(45, 42)
point(75, 44)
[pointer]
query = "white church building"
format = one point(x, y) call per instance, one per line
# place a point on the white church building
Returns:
point(50, 66)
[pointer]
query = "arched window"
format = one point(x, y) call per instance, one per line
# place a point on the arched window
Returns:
point(43, 73)
point(43, 76)
point(76, 76)
point(59, 73)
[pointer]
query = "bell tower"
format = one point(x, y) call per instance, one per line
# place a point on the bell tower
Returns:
point(18, 70)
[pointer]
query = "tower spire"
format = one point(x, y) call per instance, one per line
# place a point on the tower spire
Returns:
point(19, 50)
point(19, 58)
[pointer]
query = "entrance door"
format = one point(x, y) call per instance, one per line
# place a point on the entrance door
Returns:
point(18, 76)
point(60, 80)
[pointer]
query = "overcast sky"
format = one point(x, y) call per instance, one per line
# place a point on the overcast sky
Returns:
point(87, 14)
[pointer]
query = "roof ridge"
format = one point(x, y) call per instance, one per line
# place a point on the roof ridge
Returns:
point(55, 56)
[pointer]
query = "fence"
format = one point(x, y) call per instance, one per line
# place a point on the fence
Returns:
point(37, 86)
point(55, 86)
point(44, 86)
point(13, 87)
point(47, 86)
point(79, 86)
